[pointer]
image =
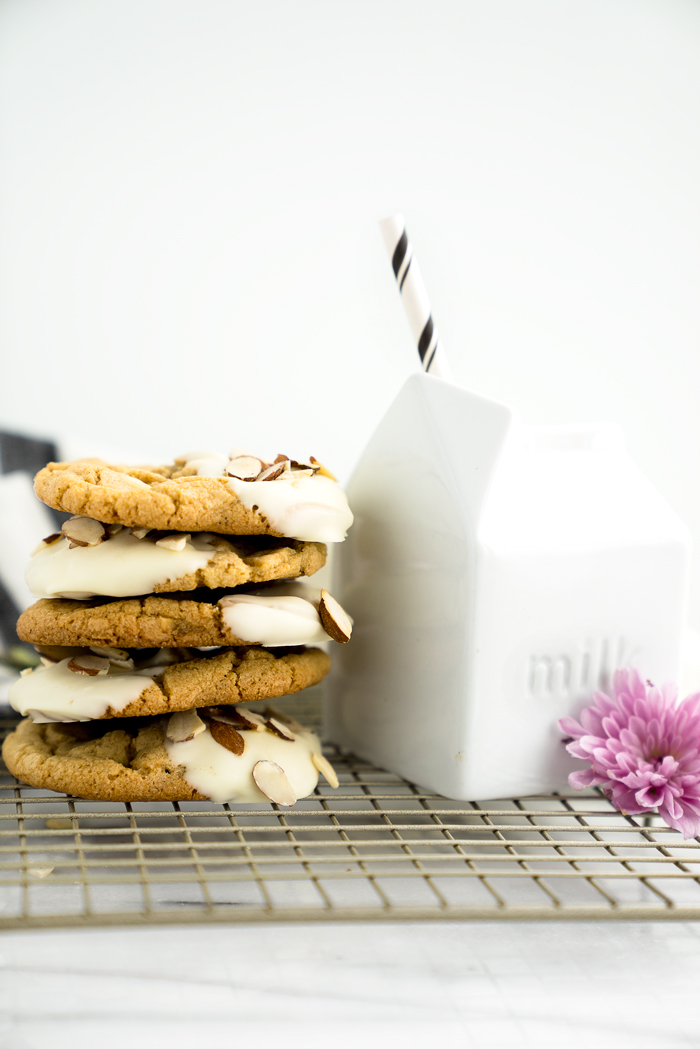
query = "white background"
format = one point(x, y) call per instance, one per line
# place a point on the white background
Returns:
point(190, 258)
point(190, 193)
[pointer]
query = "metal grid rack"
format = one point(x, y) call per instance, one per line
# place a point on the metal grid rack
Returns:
point(377, 848)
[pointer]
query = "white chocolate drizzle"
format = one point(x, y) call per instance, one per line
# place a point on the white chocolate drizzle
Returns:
point(55, 693)
point(284, 614)
point(120, 567)
point(217, 773)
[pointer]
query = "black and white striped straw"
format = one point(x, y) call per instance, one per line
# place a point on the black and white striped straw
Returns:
point(415, 298)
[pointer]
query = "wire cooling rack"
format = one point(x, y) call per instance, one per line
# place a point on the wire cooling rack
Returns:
point(376, 848)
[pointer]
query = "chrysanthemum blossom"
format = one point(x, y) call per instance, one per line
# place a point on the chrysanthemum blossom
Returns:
point(643, 750)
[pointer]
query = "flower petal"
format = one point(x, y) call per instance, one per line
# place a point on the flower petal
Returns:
point(571, 727)
point(649, 797)
point(585, 778)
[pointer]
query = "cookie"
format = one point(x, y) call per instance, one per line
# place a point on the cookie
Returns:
point(121, 562)
point(242, 495)
point(259, 758)
point(281, 614)
point(86, 686)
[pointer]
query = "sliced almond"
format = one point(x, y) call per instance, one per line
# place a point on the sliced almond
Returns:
point(282, 458)
point(214, 540)
point(308, 468)
point(109, 653)
point(217, 541)
point(270, 473)
point(163, 657)
point(219, 713)
point(125, 664)
point(184, 725)
point(325, 768)
point(244, 467)
point(289, 722)
point(229, 719)
point(174, 542)
point(140, 533)
point(26, 672)
point(323, 470)
point(279, 729)
point(58, 652)
point(235, 716)
point(84, 531)
point(250, 720)
point(272, 781)
point(40, 872)
point(46, 662)
point(227, 736)
point(93, 666)
point(334, 619)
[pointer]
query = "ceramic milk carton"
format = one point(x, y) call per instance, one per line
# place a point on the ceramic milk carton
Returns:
point(497, 574)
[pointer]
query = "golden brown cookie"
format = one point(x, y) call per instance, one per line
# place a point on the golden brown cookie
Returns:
point(97, 760)
point(224, 755)
point(190, 620)
point(177, 498)
point(108, 570)
point(86, 687)
point(146, 497)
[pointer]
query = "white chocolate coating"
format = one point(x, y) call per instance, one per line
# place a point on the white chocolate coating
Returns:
point(119, 567)
point(301, 507)
point(222, 776)
point(286, 614)
point(56, 693)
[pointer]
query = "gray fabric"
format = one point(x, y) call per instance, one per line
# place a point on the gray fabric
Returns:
point(29, 454)
point(18, 452)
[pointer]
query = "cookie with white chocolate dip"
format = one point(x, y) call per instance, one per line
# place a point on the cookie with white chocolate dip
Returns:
point(102, 683)
point(87, 558)
point(281, 614)
point(224, 754)
point(238, 494)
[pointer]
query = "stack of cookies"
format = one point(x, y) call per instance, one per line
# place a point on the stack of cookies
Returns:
point(168, 602)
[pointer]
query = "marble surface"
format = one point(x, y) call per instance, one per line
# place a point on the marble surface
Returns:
point(484, 985)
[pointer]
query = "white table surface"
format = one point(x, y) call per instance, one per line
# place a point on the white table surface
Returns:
point(481, 984)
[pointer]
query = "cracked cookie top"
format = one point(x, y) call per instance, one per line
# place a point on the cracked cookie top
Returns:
point(83, 685)
point(238, 495)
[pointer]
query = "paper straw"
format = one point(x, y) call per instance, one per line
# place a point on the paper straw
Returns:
point(415, 297)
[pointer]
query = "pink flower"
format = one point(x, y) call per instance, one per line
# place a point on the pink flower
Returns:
point(643, 750)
